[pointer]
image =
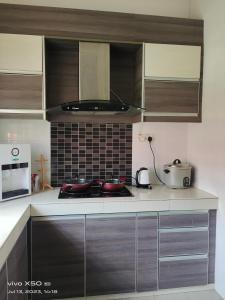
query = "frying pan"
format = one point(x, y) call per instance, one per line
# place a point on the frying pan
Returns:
point(112, 185)
point(79, 185)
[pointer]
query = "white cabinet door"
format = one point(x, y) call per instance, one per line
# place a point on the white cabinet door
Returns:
point(172, 61)
point(20, 53)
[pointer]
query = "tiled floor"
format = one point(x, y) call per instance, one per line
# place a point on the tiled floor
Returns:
point(201, 295)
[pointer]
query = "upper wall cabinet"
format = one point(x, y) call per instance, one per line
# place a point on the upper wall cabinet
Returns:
point(172, 61)
point(20, 54)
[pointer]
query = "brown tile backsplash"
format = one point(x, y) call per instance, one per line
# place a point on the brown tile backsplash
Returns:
point(90, 151)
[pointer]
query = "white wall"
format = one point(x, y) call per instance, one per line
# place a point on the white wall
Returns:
point(33, 132)
point(169, 142)
point(206, 141)
point(175, 8)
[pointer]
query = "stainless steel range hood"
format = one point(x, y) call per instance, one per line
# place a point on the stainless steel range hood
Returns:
point(94, 82)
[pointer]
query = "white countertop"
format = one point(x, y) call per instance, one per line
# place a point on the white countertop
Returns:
point(14, 214)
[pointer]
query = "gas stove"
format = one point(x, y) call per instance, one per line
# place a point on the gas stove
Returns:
point(94, 191)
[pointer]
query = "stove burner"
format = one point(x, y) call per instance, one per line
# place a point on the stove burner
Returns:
point(93, 192)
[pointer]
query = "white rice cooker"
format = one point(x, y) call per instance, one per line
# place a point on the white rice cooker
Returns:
point(177, 175)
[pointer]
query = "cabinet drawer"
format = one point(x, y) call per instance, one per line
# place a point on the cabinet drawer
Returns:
point(183, 220)
point(183, 272)
point(183, 242)
point(172, 96)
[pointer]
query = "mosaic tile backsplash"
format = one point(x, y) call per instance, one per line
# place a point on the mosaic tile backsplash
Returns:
point(90, 151)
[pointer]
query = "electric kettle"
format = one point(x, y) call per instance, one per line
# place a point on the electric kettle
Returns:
point(142, 178)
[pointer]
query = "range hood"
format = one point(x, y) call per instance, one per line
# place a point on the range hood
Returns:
point(94, 82)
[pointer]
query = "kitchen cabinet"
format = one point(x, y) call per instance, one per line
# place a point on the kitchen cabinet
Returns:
point(110, 254)
point(184, 271)
point(172, 82)
point(3, 283)
point(183, 219)
point(21, 76)
point(58, 254)
point(20, 91)
point(172, 97)
point(212, 245)
point(101, 254)
point(20, 54)
point(183, 249)
point(17, 267)
point(187, 241)
point(147, 252)
point(172, 61)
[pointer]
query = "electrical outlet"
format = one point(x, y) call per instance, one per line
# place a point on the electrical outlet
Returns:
point(143, 137)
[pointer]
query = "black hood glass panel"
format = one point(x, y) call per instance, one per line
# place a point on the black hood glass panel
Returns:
point(92, 105)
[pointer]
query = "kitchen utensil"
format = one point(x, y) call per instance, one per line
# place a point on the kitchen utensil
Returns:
point(112, 185)
point(177, 175)
point(78, 185)
point(142, 178)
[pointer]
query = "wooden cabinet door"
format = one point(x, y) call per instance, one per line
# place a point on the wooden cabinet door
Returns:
point(3, 283)
point(58, 255)
point(172, 61)
point(147, 252)
point(20, 53)
point(17, 267)
point(163, 97)
point(18, 91)
point(110, 251)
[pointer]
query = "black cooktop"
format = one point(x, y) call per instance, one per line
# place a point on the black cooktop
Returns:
point(94, 192)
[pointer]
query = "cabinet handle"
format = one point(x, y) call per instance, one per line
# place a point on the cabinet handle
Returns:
point(185, 257)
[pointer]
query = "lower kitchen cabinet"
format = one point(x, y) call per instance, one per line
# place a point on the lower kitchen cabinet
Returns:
point(110, 254)
point(17, 267)
point(58, 255)
point(147, 252)
point(3, 283)
point(212, 245)
point(104, 254)
point(175, 272)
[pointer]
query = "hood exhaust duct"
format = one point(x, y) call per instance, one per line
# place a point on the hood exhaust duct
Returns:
point(94, 82)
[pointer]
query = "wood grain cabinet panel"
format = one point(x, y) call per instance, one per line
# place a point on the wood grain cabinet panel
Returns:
point(147, 252)
point(212, 245)
point(62, 71)
point(172, 96)
point(20, 53)
point(110, 251)
point(58, 255)
point(99, 25)
point(183, 220)
point(3, 283)
point(17, 266)
point(20, 91)
point(183, 243)
point(183, 273)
